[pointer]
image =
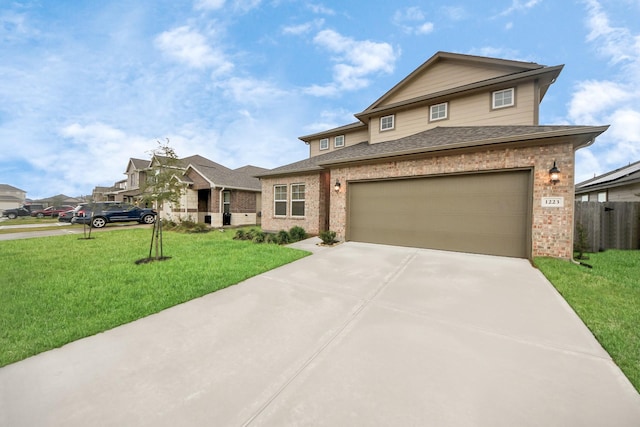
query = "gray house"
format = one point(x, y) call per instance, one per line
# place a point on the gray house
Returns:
point(620, 185)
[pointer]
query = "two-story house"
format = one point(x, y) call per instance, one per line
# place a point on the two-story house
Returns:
point(451, 158)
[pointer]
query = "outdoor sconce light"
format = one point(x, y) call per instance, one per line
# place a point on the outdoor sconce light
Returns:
point(554, 174)
point(337, 186)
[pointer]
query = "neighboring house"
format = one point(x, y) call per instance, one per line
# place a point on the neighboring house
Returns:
point(59, 200)
point(11, 197)
point(217, 195)
point(451, 158)
point(620, 185)
point(211, 190)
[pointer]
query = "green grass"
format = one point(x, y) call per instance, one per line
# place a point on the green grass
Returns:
point(55, 290)
point(22, 220)
point(607, 299)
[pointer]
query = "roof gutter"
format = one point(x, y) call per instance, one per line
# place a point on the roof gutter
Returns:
point(595, 131)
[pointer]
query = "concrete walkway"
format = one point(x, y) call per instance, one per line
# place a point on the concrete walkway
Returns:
point(354, 335)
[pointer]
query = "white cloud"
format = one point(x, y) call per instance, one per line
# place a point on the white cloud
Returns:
point(190, 47)
point(454, 13)
point(250, 90)
point(412, 21)
point(209, 4)
point(241, 6)
point(519, 6)
point(303, 28)
point(320, 9)
point(355, 62)
point(594, 99)
point(615, 101)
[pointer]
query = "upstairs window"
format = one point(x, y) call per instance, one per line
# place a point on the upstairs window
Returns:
point(503, 98)
point(324, 144)
point(297, 199)
point(438, 111)
point(387, 122)
point(338, 141)
point(280, 200)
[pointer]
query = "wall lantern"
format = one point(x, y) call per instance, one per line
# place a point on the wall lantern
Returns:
point(337, 186)
point(554, 174)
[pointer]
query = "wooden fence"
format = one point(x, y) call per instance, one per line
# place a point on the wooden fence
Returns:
point(608, 225)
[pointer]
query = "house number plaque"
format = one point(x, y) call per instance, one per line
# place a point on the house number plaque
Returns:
point(553, 202)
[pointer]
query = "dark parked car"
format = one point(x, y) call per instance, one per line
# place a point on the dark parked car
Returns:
point(14, 213)
point(100, 214)
point(52, 211)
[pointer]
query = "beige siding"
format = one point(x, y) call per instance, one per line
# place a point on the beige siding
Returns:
point(630, 193)
point(445, 75)
point(474, 110)
point(350, 138)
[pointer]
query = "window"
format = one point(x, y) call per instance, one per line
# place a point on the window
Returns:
point(438, 112)
point(226, 201)
point(387, 122)
point(584, 198)
point(297, 199)
point(324, 144)
point(280, 200)
point(503, 98)
point(602, 196)
point(338, 141)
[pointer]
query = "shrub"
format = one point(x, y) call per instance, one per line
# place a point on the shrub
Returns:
point(259, 237)
point(328, 237)
point(271, 238)
point(282, 238)
point(296, 234)
point(240, 235)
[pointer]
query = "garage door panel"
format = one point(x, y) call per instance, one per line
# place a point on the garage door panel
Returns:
point(480, 213)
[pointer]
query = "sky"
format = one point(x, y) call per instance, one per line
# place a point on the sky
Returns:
point(86, 85)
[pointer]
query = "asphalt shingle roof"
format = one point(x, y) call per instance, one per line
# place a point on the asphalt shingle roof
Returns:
point(436, 139)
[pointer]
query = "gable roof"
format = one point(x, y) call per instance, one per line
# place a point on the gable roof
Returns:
point(511, 73)
point(625, 175)
point(7, 187)
point(242, 178)
point(441, 139)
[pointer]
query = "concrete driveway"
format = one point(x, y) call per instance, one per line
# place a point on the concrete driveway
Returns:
point(357, 334)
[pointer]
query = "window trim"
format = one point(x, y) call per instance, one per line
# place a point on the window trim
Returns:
point(304, 203)
point(325, 140)
point(335, 141)
point(226, 204)
point(393, 122)
point(446, 112)
point(276, 201)
point(493, 98)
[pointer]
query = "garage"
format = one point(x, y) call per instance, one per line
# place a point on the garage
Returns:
point(485, 213)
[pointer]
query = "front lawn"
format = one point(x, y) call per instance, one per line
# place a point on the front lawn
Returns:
point(55, 290)
point(607, 299)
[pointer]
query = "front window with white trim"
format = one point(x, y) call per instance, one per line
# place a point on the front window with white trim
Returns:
point(438, 111)
point(297, 199)
point(324, 144)
point(503, 98)
point(387, 122)
point(338, 141)
point(602, 196)
point(280, 200)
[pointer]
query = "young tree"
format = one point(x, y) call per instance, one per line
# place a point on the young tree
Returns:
point(161, 186)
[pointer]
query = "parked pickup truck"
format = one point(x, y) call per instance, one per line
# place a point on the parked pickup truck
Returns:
point(16, 212)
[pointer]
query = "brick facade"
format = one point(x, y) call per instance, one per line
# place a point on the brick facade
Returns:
point(315, 219)
point(551, 228)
